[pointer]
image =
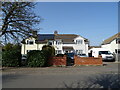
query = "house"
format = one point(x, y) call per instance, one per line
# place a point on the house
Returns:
point(112, 43)
point(94, 47)
point(61, 42)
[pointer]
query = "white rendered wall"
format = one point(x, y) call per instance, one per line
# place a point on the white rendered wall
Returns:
point(112, 46)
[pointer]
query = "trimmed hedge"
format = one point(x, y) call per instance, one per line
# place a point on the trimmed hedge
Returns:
point(11, 58)
point(49, 51)
point(36, 58)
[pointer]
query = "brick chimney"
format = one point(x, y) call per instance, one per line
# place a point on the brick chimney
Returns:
point(55, 32)
point(35, 33)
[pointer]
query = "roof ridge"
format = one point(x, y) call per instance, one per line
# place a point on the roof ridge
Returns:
point(108, 40)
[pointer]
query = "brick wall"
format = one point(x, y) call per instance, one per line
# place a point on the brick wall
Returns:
point(87, 61)
point(57, 61)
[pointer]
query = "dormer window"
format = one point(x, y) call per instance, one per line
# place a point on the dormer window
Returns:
point(58, 42)
point(79, 41)
point(30, 42)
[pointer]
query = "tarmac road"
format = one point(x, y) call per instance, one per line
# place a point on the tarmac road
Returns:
point(53, 77)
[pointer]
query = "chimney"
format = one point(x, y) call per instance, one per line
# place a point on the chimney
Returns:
point(55, 32)
point(35, 33)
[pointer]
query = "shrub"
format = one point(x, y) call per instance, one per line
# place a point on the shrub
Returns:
point(8, 47)
point(11, 55)
point(11, 58)
point(49, 51)
point(36, 58)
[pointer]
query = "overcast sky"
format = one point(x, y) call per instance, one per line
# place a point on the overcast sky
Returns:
point(95, 21)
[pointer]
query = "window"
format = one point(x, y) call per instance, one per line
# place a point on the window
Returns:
point(79, 51)
point(79, 41)
point(28, 51)
point(104, 52)
point(50, 43)
point(117, 51)
point(58, 52)
point(30, 42)
point(58, 42)
point(118, 41)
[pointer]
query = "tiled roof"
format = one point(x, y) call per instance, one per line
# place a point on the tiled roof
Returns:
point(67, 47)
point(66, 38)
point(107, 41)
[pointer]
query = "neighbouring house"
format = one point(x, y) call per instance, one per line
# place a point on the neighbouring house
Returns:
point(112, 43)
point(61, 42)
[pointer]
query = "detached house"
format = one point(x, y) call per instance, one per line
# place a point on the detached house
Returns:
point(61, 42)
point(112, 43)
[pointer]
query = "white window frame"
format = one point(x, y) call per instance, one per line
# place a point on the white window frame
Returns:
point(79, 41)
point(50, 42)
point(79, 51)
point(28, 42)
point(58, 51)
point(57, 42)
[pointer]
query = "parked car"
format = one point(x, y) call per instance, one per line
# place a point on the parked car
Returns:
point(24, 57)
point(82, 55)
point(70, 57)
point(59, 55)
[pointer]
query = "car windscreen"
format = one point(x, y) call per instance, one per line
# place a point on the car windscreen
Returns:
point(70, 54)
point(104, 52)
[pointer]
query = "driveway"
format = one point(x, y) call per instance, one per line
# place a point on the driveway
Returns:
point(55, 77)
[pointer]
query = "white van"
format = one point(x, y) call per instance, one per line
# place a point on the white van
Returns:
point(106, 54)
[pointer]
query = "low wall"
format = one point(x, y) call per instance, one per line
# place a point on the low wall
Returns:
point(57, 61)
point(87, 61)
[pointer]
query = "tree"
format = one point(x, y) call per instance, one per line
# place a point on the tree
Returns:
point(18, 20)
point(11, 55)
point(7, 47)
point(49, 51)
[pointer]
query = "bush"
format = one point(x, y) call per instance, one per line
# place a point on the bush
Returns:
point(49, 51)
point(11, 55)
point(11, 58)
point(36, 58)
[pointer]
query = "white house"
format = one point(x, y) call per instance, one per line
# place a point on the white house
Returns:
point(61, 42)
point(112, 43)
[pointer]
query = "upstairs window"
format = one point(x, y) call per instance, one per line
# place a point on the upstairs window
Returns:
point(50, 43)
point(118, 41)
point(30, 42)
point(79, 41)
point(58, 42)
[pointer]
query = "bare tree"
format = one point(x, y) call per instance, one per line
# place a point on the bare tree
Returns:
point(19, 20)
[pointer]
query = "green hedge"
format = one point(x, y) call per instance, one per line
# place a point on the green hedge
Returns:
point(11, 58)
point(36, 58)
point(49, 51)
